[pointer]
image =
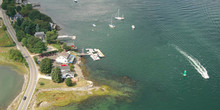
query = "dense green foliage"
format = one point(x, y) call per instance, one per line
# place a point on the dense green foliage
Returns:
point(51, 36)
point(4, 27)
point(34, 44)
point(68, 82)
point(5, 39)
point(56, 75)
point(46, 65)
point(32, 21)
point(66, 47)
point(71, 67)
point(35, 59)
point(20, 35)
point(16, 55)
point(9, 6)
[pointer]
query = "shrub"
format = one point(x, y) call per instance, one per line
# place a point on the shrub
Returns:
point(68, 82)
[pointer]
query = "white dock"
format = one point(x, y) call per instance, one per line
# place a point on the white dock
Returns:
point(63, 37)
point(95, 54)
point(99, 53)
point(95, 57)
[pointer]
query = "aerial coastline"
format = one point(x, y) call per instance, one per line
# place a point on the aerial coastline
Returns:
point(81, 85)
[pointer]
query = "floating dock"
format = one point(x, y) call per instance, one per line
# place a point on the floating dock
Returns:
point(99, 53)
point(95, 54)
point(66, 37)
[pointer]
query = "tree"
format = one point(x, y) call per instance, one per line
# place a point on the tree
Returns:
point(71, 67)
point(37, 28)
point(4, 6)
point(35, 45)
point(34, 14)
point(4, 27)
point(44, 25)
point(28, 27)
point(56, 75)
point(69, 82)
point(18, 8)
point(20, 35)
point(51, 36)
point(19, 21)
point(24, 41)
point(11, 11)
point(66, 47)
point(46, 65)
point(15, 55)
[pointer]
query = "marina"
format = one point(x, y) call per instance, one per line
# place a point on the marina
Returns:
point(95, 54)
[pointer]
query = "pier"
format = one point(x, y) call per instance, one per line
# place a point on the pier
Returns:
point(95, 54)
point(35, 4)
point(63, 37)
point(82, 53)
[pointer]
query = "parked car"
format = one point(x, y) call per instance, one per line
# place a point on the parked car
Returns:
point(24, 98)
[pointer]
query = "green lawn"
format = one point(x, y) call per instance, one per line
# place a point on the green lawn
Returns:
point(56, 46)
point(5, 40)
point(50, 84)
point(62, 98)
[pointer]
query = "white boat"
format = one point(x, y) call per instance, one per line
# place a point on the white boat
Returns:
point(118, 17)
point(111, 25)
point(99, 52)
point(93, 25)
point(95, 57)
point(133, 27)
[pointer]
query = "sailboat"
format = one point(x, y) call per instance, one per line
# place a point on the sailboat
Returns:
point(118, 17)
point(111, 25)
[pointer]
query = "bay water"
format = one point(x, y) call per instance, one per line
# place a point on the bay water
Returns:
point(10, 85)
point(152, 54)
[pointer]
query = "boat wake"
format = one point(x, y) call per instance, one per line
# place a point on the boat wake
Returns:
point(195, 63)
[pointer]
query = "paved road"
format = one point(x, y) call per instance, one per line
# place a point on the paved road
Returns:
point(32, 66)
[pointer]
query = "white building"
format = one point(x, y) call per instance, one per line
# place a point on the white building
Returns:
point(65, 58)
point(67, 75)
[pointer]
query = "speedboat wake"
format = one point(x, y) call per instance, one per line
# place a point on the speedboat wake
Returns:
point(194, 62)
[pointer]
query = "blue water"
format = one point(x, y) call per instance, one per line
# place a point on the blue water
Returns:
point(148, 54)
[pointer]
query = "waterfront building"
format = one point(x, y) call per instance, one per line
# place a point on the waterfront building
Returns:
point(65, 58)
point(40, 35)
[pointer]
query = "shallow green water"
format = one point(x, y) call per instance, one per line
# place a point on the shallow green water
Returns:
point(10, 84)
point(148, 54)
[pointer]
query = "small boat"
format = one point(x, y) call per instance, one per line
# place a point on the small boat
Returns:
point(111, 25)
point(118, 17)
point(76, 1)
point(133, 27)
point(93, 25)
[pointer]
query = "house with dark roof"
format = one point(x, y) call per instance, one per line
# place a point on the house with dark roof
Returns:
point(18, 16)
point(40, 35)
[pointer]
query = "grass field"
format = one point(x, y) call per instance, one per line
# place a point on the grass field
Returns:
point(47, 84)
point(5, 39)
point(56, 46)
point(4, 60)
point(62, 98)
